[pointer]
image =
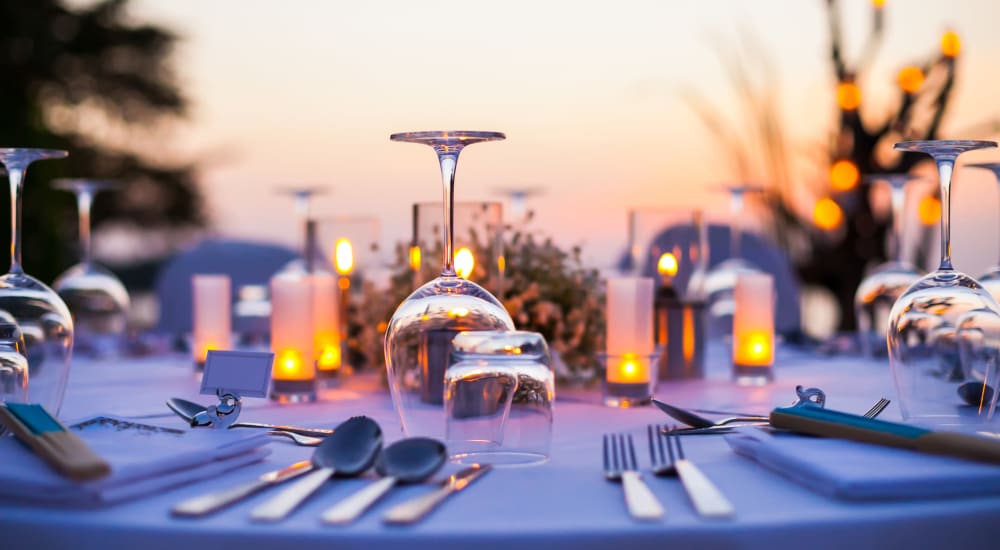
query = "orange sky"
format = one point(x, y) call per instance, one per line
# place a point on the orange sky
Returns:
point(587, 92)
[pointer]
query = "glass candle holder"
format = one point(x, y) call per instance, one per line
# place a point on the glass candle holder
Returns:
point(326, 324)
point(753, 329)
point(294, 373)
point(212, 321)
point(630, 357)
point(498, 396)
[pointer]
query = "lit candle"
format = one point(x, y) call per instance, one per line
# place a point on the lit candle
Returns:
point(326, 323)
point(343, 261)
point(465, 262)
point(211, 322)
point(753, 328)
point(294, 373)
point(629, 326)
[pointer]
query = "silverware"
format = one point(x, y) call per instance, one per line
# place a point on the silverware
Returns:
point(193, 413)
point(415, 509)
point(873, 412)
point(620, 465)
point(301, 440)
point(707, 499)
point(698, 421)
point(211, 502)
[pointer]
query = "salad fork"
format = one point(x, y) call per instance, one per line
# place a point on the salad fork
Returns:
point(620, 464)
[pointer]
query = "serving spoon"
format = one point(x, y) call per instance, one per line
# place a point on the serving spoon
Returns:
point(406, 461)
point(348, 452)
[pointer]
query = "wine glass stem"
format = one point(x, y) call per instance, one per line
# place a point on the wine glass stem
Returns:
point(736, 227)
point(84, 200)
point(15, 175)
point(448, 161)
point(945, 166)
point(897, 200)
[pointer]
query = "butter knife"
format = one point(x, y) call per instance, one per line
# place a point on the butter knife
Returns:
point(212, 502)
point(413, 510)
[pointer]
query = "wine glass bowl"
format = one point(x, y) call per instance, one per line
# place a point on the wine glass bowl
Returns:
point(418, 337)
point(880, 289)
point(96, 298)
point(923, 344)
point(43, 318)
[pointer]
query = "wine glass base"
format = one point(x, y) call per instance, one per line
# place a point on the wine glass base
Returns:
point(499, 459)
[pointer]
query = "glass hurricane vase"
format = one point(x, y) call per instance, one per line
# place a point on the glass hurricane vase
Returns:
point(39, 312)
point(96, 298)
point(418, 338)
point(923, 345)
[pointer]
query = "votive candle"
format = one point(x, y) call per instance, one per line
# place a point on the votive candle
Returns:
point(326, 323)
point(629, 326)
point(753, 328)
point(211, 322)
point(294, 372)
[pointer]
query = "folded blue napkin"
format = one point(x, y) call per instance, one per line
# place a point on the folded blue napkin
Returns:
point(858, 471)
point(144, 458)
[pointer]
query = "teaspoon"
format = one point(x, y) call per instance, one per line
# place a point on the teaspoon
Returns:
point(348, 452)
point(406, 461)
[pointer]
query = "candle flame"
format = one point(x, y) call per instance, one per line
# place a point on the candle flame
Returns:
point(329, 359)
point(290, 361)
point(464, 262)
point(415, 258)
point(667, 265)
point(344, 256)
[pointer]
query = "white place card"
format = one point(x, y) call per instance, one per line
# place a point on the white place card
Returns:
point(244, 373)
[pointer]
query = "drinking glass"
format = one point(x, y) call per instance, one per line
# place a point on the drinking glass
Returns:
point(721, 280)
point(39, 312)
point(923, 348)
point(499, 392)
point(96, 298)
point(419, 335)
point(880, 289)
point(991, 279)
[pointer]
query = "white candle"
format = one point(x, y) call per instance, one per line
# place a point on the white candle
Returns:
point(326, 321)
point(291, 328)
point(753, 321)
point(629, 325)
point(211, 317)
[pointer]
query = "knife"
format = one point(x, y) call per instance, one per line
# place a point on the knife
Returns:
point(211, 502)
point(413, 510)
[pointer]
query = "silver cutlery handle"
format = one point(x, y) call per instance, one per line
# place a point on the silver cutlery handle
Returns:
point(210, 502)
point(413, 510)
point(353, 506)
point(706, 497)
point(311, 432)
point(289, 499)
point(641, 502)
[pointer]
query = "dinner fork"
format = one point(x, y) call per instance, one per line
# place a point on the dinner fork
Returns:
point(708, 501)
point(620, 465)
point(873, 412)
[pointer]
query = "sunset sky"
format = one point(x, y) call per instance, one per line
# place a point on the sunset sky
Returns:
point(589, 94)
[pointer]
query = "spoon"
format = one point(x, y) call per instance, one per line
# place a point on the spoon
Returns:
point(301, 440)
point(197, 416)
point(406, 461)
point(698, 421)
point(976, 394)
point(348, 452)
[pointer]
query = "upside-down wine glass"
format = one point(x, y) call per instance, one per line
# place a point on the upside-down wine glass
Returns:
point(42, 316)
point(991, 279)
point(922, 340)
point(884, 284)
point(96, 298)
point(721, 279)
point(419, 335)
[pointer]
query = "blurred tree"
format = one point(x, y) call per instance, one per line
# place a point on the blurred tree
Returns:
point(91, 80)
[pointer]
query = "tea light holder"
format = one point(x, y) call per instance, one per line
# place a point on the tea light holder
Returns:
point(293, 378)
point(630, 356)
point(211, 315)
point(326, 324)
point(753, 329)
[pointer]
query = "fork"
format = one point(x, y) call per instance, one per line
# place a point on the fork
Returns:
point(620, 465)
point(708, 501)
point(873, 412)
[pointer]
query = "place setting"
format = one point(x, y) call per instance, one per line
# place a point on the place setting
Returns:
point(762, 326)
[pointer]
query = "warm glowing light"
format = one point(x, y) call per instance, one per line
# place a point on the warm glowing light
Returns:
point(756, 349)
point(329, 358)
point(629, 368)
point(929, 210)
point(848, 96)
point(290, 362)
point(687, 342)
point(667, 265)
point(459, 312)
point(911, 79)
point(344, 256)
point(844, 175)
point(879, 4)
point(464, 262)
point(827, 214)
point(415, 258)
point(203, 351)
point(950, 44)
point(501, 263)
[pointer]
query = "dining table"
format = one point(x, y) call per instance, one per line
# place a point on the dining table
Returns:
point(563, 503)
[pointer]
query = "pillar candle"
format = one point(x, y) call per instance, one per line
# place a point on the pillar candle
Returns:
point(211, 310)
point(326, 322)
point(629, 325)
point(291, 328)
point(753, 323)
